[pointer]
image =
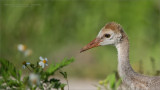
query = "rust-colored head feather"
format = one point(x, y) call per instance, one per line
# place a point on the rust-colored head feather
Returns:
point(113, 26)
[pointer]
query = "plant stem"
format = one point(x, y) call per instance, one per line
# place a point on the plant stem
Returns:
point(28, 69)
point(67, 83)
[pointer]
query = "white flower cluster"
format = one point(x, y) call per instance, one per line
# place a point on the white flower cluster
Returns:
point(43, 62)
point(22, 48)
point(34, 79)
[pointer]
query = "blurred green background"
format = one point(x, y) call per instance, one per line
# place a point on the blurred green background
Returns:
point(60, 28)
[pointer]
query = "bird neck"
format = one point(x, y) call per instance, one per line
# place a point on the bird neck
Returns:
point(124, 68)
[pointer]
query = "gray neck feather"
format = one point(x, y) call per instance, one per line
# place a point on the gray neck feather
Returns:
point(124, 68)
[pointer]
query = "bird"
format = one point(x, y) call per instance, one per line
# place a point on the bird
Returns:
point(113, 34)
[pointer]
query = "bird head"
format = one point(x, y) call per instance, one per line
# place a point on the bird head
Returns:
point(111, 34)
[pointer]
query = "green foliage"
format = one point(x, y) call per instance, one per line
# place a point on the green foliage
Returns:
point(110, 83)
point(60, 65)
point(11, 77)
point(57, 24)
point(64, 74)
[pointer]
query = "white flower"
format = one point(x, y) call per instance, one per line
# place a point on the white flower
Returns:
point(25, 64)
point(34, 79)
point(27, 52)
point(21, 47)
point(43, 62)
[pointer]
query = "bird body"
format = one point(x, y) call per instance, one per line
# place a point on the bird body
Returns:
point(113, 34)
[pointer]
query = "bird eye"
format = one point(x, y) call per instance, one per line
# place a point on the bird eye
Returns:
point(107, 35)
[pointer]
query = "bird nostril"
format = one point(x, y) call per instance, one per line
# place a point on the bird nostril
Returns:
point(91, 43)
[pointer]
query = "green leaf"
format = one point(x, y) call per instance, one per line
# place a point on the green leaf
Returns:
point(64, 74)
point(20, 74)
point(62, 86)
point(12, 83)
point(8, 69)
point(32, 66)
point(57, 85)
point(118, 83)
point(112, 81)
point(54, 80)
point(54, 68)
point(1, 81)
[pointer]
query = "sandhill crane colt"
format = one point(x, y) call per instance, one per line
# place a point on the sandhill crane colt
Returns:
point(113, 34)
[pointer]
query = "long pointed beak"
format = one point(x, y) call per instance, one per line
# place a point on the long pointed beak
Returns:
point(92, 44)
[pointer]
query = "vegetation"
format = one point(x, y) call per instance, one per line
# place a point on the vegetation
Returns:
point(113, 81)
point(110, 83)
point(12, 78)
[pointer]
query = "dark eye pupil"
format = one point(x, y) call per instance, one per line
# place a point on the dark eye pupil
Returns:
point(107, 35)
